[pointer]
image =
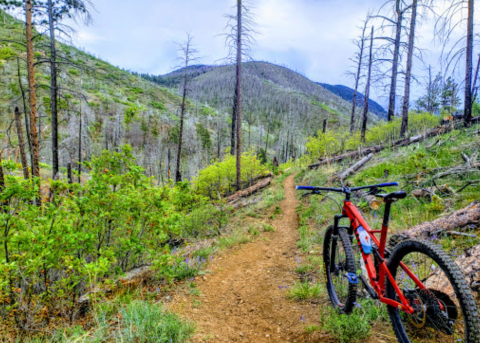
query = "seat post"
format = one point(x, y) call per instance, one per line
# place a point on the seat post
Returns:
point(386, 216)
point(386, 220)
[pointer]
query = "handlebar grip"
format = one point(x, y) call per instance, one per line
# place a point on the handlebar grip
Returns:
point(390, 184)
point(307, 188)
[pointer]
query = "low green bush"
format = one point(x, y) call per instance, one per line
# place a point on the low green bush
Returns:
point(86, 235)
point(220, 178)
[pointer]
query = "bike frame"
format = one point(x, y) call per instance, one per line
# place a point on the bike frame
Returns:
point(377, 280)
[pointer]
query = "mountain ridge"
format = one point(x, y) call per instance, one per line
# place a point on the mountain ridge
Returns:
point(347, 93)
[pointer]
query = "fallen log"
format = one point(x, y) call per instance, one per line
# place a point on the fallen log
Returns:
point(249, 191)
point(377, 148)
point(240, 204)
point(347, 155)
point(469, 262)
point(466, 217)
point(355, 167)
point(373, 202)
point(428, 192)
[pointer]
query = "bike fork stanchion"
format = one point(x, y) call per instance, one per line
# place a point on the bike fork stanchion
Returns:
point(336, 226)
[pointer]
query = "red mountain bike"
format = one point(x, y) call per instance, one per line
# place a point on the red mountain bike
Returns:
point(427, 295)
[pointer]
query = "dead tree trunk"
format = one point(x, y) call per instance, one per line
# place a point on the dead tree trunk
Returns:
point(21, 144)
point(80, 148)
point(53, 90)
point(31, 86)
point(474, 83)
point(399, 143)
point(357, 79)
point(469, 66)
point(25, 113)
point(367, 89)
point(458, 220)
point(178, 174)
point(396, 55)
point(237, 100)
point(355, 167)
point(408, 75)
point(2, 175)
point(249, 191)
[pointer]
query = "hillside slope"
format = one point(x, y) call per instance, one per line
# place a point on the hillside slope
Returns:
point(347, 93)
point(113, 106)
point(292, 100)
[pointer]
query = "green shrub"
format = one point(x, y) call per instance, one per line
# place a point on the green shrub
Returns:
point(332, 142)
point(158, 105)
point(346, 328)
point(356, 326)
point(204, 221)
point(304, 291)
point(220, 177)
point(73, 72)
point(143, 322)
point(87, 234)
point(6, 53)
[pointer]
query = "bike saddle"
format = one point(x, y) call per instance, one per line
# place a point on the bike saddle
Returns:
point(393, 196)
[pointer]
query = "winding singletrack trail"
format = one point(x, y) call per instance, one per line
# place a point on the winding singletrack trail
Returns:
point(241, 300)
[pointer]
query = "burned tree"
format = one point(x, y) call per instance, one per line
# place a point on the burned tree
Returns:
point(239, 40)
point(395, 22)
point(408, 75)
point(188, 54)
point(55, 12)
point(367, 88)
point(358, 61)
point(31, 88)
point(451, 21)
point(21, 144)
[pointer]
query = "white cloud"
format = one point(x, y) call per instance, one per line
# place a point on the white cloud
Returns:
point(311, 36)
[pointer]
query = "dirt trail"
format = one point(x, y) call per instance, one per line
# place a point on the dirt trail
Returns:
point(241, 300)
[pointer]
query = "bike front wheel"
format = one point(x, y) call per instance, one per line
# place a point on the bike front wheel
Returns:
point(445, 311)
point(338, 263)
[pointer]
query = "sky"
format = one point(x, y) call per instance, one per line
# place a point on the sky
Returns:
point(313, 37)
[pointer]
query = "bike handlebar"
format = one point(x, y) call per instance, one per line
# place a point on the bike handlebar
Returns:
point(345, 190)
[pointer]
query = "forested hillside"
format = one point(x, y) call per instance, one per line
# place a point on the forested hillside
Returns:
point(279, 102)
point(116, 107)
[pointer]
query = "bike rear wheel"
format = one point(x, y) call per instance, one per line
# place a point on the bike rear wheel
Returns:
point(446, 311)
point(337, 266)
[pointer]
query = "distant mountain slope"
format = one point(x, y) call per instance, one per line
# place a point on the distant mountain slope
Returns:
point(347, 94)
point(271, 93)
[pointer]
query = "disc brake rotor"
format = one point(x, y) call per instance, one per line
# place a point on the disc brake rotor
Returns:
point(428, 311)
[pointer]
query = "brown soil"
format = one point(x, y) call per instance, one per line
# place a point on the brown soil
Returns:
point(241, 299)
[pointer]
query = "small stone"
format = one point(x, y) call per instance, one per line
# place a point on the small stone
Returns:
point(267, 335)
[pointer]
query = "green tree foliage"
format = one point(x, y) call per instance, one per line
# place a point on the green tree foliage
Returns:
point(430, 102)
point(87, 233)
point(204, 135)
point(450, 100)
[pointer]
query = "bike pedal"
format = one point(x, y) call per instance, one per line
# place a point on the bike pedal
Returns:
point(352, 278)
